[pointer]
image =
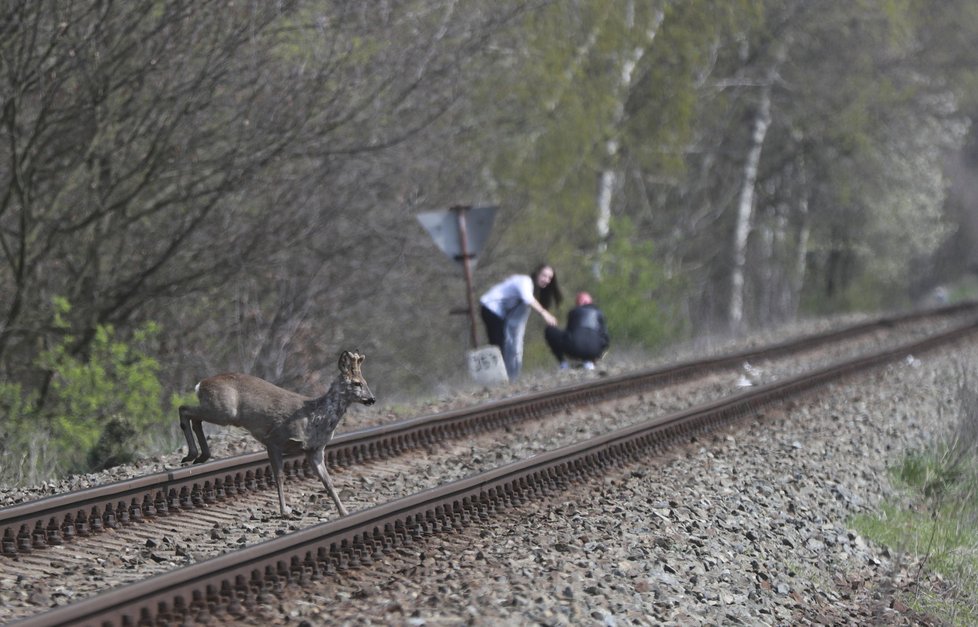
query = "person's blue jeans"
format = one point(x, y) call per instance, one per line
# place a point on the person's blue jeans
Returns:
point(513, 344)
point(507, 333)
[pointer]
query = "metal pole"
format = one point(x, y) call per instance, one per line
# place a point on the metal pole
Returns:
point(463, 237)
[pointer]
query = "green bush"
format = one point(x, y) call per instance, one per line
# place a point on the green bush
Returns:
point(96, 400)
point(635, 293)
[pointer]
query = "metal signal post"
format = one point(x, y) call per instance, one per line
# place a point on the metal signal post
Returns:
point(460, 232)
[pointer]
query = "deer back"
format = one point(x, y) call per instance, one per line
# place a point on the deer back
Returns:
point(246, 401)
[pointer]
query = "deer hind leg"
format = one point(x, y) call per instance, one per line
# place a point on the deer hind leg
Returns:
point(316, 461)
point(205, 451)
point(186, 416)
point(278, 470)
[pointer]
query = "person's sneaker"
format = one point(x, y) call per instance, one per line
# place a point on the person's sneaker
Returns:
point(564, 365)
point(588, 365)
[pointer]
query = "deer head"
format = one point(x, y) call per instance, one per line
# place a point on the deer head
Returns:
point(349, 365)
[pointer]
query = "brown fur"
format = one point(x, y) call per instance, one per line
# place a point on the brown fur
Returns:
point(286, 423)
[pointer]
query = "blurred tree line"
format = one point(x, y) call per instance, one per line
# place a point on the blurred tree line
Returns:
point(193, 186)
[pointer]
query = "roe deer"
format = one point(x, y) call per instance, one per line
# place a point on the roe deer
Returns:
point(285, 422)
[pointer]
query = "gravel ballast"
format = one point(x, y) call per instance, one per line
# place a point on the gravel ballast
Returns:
point(746, 526)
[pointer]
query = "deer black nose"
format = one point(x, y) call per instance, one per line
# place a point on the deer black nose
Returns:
point(369, 401)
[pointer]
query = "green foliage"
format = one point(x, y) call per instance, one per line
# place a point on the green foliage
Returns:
point(564, 89)
point(634, 293)
point(95, 403)
point(945, 542)
point(929, 475)
point(663, 105)
point(938, 526)
point(116, 381)
point(864, 292)
point(964, 289)
point(13, 403)
point(20, 441)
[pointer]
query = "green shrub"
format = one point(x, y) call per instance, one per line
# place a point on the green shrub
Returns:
point(114, 383)
point(635, 293)
point(96, 401)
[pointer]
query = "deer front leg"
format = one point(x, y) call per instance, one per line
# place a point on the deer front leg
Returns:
point(185, 413)
point(315, 459)
point(278, 470)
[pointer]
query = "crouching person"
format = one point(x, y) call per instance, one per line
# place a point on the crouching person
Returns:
point(585, 338)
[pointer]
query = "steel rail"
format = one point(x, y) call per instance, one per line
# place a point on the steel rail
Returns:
point(60, 518)
point(229, 584)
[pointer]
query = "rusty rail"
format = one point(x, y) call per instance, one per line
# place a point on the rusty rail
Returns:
point(228, 585)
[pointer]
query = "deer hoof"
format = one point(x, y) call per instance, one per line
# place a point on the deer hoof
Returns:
point(201, 459)
point(188, 458)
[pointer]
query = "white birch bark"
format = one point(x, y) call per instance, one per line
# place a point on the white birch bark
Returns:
point(745, 200)
point(745, 208)
point(609, 176)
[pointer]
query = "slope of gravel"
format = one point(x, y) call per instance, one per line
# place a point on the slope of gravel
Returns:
point(747, 526)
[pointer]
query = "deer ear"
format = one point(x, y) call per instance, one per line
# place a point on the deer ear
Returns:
point(344, 363)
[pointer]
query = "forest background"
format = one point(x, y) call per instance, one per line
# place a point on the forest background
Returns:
point(191, 186)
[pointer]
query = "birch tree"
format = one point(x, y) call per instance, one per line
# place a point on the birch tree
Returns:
point(609, 174)
point(745, 199)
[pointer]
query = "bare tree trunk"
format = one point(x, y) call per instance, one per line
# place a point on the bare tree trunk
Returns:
point(745, 202)
point(801, 254)
point(745, 208)
point(609, 176)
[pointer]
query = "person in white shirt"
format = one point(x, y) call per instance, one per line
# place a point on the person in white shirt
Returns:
point(506, 308)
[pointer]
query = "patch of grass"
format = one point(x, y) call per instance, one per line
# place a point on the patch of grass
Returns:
point(936, 523)
point(943, 541)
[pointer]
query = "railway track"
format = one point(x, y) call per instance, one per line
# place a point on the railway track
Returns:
point(352, 540)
